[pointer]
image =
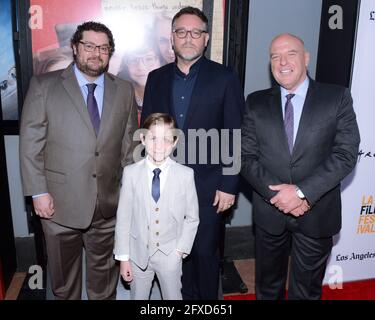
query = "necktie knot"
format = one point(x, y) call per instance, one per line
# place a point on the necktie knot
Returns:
point(289, 96)
point(91, 87)
point(156, 172)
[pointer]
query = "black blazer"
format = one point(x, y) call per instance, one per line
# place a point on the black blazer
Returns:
point(217, 102)
point(325, 151)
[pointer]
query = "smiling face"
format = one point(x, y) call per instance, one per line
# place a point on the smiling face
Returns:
point(189, 49)
point(92, 64)
point(289, 61)
point(159, 142)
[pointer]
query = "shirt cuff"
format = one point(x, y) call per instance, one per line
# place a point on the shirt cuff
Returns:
point(122, 257)
point(184, 255)
point(39, 195)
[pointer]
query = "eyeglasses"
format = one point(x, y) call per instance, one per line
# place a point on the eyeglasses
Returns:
point(90, 47)
point(147, 61)
point(194, 33)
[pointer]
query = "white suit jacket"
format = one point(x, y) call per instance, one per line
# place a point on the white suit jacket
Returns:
point(177, 213)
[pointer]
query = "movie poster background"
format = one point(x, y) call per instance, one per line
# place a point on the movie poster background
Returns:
point(141, 30)
point(8, 81)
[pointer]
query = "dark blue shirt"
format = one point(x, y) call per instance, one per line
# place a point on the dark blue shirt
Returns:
point(183, 85)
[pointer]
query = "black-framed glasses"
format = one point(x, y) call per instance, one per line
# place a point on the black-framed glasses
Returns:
point(194, 33)
point(90, 47)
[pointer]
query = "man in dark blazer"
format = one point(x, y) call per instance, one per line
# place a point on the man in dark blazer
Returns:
point(76, 135)
point(295, 158)
point(200, 94)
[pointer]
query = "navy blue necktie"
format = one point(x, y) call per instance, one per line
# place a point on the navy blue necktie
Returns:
point(155, 191)
point(289, 120)
point(92, 107)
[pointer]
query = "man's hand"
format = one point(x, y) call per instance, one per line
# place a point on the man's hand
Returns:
point(301, 210)
point(223, 201)
point(126, 271)
point(286, 199)
point(43, 206)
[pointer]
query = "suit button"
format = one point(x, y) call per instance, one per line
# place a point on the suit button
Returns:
point(147, 246)
point(148, 227)
point(96, 154)
point(157, 244)
point(157, 221)
point(156, 209)
point(157, 233)
point(94, 175)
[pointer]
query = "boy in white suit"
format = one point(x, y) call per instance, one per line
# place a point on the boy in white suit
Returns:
point(157, 216)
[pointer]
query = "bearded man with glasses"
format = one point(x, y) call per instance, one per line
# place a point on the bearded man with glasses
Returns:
point(76, 136)
point(200, 94)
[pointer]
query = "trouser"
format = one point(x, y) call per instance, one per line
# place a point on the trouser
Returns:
point(168, 269)
point(308, 258)
point(200, 270)
point(64, 257)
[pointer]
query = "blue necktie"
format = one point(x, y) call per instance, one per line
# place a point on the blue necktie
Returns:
point(289, 120)
point(92, 107)
point(156, 185)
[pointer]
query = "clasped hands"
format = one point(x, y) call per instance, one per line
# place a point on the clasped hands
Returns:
point(287, 201)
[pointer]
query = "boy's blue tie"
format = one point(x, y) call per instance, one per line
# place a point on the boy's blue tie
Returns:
point(156, 185)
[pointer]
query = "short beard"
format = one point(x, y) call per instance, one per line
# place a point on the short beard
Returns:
point(189, 58)
point(90, 72)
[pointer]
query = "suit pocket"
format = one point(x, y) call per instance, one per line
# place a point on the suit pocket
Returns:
point(54, 176)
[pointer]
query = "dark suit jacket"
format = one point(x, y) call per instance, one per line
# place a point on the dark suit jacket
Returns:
point(325, 151)
point(217, 102)
point(60, 153)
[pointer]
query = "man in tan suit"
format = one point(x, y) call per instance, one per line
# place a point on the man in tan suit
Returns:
point(76, 136)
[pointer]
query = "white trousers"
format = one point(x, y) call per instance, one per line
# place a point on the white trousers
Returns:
point(168, 269)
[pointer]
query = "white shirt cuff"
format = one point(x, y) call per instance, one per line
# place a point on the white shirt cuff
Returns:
point(39, 195)
point(122, 257)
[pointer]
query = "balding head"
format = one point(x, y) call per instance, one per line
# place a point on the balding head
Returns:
point(288, 36)
point(289, 60)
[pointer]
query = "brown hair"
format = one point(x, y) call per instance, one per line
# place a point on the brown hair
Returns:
point(92, 26)
point(192, 11)
point(157, 118)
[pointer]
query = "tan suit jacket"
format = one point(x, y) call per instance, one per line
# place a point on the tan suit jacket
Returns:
point(177, 213)
point(60, 153)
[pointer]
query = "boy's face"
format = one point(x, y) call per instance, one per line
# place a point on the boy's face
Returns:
point(159, 142)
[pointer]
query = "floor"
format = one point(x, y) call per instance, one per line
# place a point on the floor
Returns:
point(237, 266)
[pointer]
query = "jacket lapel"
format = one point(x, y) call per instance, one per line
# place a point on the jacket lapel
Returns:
point(277, 115)
point(203, 78)
point(306, 115)
point(143, 185)
point(72, 88)
point(166, 100)
point(110, 89)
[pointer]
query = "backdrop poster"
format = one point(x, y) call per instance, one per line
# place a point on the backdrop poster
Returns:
point(353, 256)
point(8, 81)
point(141, 29)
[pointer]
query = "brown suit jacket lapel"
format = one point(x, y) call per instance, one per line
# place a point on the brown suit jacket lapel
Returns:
point(71, 86)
